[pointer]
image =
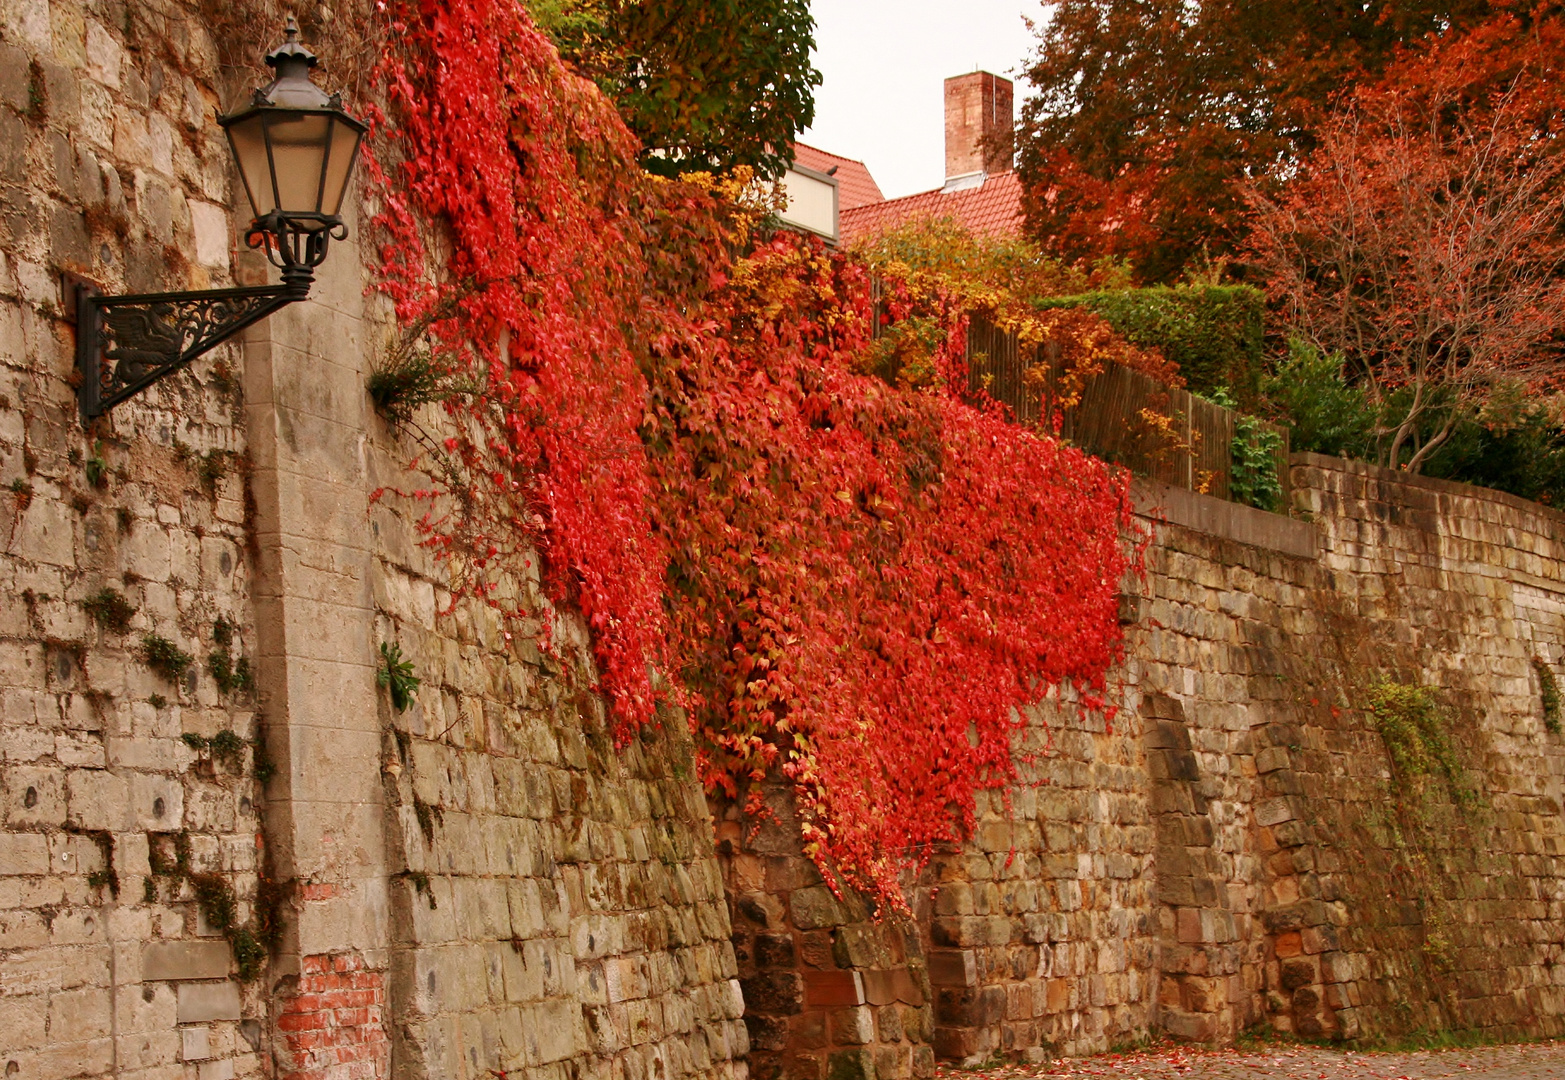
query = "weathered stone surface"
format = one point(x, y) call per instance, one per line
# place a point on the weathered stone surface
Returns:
point(203, 1002)
point(185, 960)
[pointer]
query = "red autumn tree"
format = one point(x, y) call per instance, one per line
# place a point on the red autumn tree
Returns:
point(1423, 238)
point(1148, 116)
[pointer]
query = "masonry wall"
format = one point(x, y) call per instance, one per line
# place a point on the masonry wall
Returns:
point(1253, 852)
point(557, 910)
point(116, 814)
point(833, 990)
point(256, 866)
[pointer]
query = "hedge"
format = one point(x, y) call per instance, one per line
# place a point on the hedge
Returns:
point(1215, 333)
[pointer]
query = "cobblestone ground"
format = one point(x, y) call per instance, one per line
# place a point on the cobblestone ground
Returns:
point(1532, 1061)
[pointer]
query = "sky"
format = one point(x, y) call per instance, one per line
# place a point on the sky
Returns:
point(883, 64)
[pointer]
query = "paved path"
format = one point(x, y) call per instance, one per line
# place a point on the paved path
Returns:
point(1535, 1061)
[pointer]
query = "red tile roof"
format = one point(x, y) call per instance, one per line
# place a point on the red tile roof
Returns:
point(855, 186)
point(991, 210)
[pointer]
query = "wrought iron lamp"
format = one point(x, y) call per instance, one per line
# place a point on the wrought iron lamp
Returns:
point(295, 148)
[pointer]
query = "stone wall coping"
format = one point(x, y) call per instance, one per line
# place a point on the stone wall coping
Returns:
point(1454, 488)
point(1162, 503)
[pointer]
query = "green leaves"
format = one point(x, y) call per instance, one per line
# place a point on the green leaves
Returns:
point(705, 85)
point(396, 675)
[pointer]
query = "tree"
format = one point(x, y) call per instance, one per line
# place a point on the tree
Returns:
point(704, 84)
point(1149, 114)
point(1424, 237)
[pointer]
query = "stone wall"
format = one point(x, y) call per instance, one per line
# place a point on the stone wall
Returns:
point(1243, 849)
point(1042, 933)
point(832, 989)
point(256, 866)
point(558, 911)
point(249, 863)
point(128, 831)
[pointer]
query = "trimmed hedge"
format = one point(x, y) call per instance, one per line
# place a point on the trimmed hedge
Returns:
point(1215, 333)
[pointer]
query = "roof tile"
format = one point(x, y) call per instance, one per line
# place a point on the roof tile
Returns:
point(855, 186)
point(994, 209)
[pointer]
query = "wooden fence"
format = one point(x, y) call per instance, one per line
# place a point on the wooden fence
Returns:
point(1123, 416)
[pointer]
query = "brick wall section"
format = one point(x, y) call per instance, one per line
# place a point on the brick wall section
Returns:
point(332, 1022)
point(557, 908)
point(831, 992)
point(110, 166)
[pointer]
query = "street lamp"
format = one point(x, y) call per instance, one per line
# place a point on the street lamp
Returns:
point(295, 148)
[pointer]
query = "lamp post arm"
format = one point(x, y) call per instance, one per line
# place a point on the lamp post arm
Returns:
point(124, 344)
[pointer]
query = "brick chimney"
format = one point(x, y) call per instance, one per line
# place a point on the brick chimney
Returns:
point(978, 112)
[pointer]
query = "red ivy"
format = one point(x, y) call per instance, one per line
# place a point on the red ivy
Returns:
point(852, 585)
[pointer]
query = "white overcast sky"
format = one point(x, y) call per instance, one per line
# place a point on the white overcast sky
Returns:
point(883, 63)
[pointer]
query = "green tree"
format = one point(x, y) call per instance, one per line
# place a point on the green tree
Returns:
point(1148, 114)
point(704, 84)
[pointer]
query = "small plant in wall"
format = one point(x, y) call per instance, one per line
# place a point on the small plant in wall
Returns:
point(109, 609)
point(1551, 694)
point(21, 494)
point(227, 673)
point(163, 656)
point(396, 675)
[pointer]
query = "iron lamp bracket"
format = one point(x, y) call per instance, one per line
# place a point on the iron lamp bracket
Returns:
point(124, 344)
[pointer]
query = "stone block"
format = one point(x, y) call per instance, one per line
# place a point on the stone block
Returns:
point(850, 1065)
point(24, 854)
point(1273, 812)
point(824, 989)
point(815, 908)
point(184, 960)
point(203, 1002)
point(953, 967)
point(216, 1070)
point(777, 992)
point(889, 986)
point(853, 1026)
point(195, 1043)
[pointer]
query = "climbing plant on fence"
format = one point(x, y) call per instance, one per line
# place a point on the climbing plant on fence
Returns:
point(848, 584)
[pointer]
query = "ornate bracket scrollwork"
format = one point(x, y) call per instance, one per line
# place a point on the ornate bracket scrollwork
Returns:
point(124, 344)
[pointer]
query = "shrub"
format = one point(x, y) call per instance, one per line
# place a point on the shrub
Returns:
point(1323, 414)
point(1215, 333)
point(1513, 444)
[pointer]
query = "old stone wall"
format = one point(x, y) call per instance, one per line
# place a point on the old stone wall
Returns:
point(128, 829)
point(223, 853)
point(558, 910)
point(1245, 848)
point(833, 990)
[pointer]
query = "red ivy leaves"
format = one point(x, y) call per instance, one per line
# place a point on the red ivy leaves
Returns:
point(854, 585)
point(868, 581)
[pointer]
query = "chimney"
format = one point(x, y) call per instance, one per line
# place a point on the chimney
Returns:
point(978, 115)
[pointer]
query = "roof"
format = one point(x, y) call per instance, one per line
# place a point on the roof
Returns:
point(855, 186)
point(992, 209)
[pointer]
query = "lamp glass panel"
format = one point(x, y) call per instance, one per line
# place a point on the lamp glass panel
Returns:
point(248, 139)
point(339, 165)
point(299, 142)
